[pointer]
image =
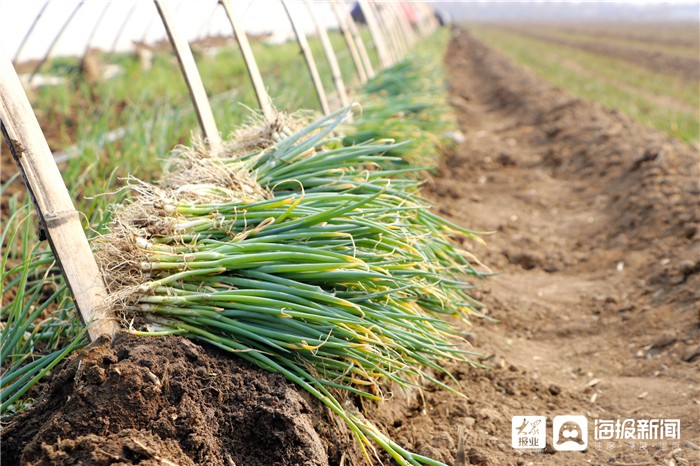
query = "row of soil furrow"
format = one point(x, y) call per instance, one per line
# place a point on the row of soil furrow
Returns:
point(595, 222)
point(681, 34)
point(687, 68)
point(678, 46)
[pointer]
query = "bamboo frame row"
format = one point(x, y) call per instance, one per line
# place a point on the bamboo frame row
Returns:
point(392, 36)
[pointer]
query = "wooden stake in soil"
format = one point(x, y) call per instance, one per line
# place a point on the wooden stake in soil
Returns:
point(152, 21)
point(385, 31)
point(330, 55)
point(192, 78)
point(418, 25)
point(387, 20)
point(251, 65)
point(358, 40)
point(424, 13)
point(352, 47)
point(57, 215)
point(401, 35)
point(430, 19)
point(390, 29)
point(310, 62)
point(375, 32)
point(48, 53)
point(403, 11)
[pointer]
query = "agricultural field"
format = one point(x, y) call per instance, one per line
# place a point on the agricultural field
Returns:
point(509, 225)
point(650, 72)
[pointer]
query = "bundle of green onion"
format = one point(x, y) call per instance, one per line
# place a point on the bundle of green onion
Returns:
point(311, 259)
point(407, 103)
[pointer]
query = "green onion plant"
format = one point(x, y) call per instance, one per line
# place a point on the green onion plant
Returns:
point(310, 258)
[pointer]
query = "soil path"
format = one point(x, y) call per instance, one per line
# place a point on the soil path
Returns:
point(596, 243)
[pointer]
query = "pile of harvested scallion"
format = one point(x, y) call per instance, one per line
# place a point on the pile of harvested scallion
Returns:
point(306, 257)
point(407, 102)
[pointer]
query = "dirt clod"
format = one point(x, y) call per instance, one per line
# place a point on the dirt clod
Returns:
point(163, 401)
point(692, 354)
point(554, 389)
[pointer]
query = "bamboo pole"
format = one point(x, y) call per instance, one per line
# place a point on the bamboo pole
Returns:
point(383, 27)
point(401, 26)
point(352, 47)
point(152, 20)
point(48, 53)
point(423, 12)
point(404, 9)
point(251, 64)
point(358, 41)
point(418, 26)
point(330, 56)
point(309, 58)
point(148, 26)
point(29, 32)
point(377, 39)
point(192, 78)
point(205, 27)
point(56, 212)
point(94, 29)
point(122, 26)
point(431, 20)
point(392, 30)
point(388, 28)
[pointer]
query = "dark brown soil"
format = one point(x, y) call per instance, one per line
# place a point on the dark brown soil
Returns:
point(597, 244)
point(151, 401)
